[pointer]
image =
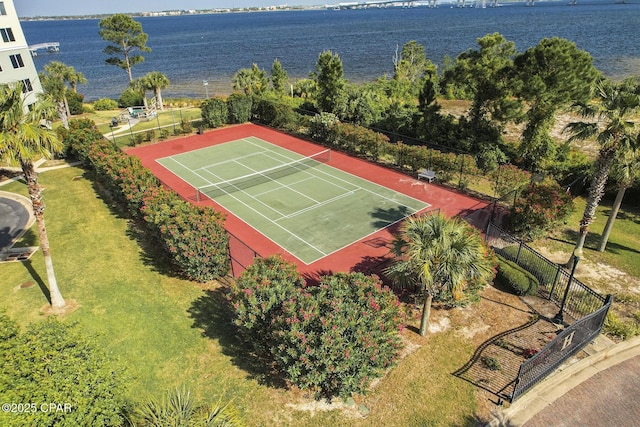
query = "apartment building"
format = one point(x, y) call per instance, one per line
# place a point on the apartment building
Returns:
point(16, 63)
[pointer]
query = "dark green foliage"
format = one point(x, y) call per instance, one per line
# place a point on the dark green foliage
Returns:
point(52, 362)
point(130, 98)
point(186, 126)
point(126, 37)
point(516, 278)
point(330, 82)
point(104, 104)
point(540, 207)
point(239, 107)
point(192, 236)
point(331, 339)
point(215, 112)
point(507, 178)
point(279, 77)
point(75, 103)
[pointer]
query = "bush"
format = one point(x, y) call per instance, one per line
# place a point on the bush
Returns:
point(239, 107)
point(616, 327)
point(104, 104)
point(52, 362)
point(78, 139)
point(334, 338)
point(130, 98)
point(257, 295)
point(516, 278)
point(507, 178)
point(186, 126)
point(214, 112)
point(540, 207)
point(75, 103)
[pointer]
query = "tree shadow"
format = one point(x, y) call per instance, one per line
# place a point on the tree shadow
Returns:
point(212, 315)
point(592, 240)
point(35, 276)
point(388, 217)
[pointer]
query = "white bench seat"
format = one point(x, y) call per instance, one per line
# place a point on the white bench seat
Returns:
point(427, 174)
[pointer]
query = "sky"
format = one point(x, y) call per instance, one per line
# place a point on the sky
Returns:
point(30, 8)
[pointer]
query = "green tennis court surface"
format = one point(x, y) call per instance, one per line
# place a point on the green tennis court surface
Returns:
point(305, 206)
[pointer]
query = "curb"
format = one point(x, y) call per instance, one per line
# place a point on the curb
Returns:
point(563, 380)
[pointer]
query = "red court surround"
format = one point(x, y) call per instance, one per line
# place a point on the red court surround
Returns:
point(362, 255)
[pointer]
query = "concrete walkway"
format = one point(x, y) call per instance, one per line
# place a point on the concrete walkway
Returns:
point(599, 390)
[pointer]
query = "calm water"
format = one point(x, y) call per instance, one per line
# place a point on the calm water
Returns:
point(190, 49)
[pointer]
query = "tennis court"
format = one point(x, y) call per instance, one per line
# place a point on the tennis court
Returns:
point(302, 204)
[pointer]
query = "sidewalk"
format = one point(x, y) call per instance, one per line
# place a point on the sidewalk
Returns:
point(569, 396)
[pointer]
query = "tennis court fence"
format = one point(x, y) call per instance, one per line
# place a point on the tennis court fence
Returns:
point(241, 255)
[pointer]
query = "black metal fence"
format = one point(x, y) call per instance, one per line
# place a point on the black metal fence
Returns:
point(588, 308)
point(567, 343)
point(554, 279)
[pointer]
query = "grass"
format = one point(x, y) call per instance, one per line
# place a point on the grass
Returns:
point(169, 332)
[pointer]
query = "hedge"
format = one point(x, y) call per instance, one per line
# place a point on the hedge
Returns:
point(516, 278)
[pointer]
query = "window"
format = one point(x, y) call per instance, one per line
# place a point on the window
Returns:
point(7, 35)
point(16, 61)
point(3, 11)
point(26, 86)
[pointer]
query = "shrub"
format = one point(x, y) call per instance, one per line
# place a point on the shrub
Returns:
point(186, 126)
point(334, 338)
point(491, 363)
point(516, 278)
point(129, 98)
point(540, 207)
point(214, 112)
point(104, 104)
point(616, 327)
point(52, 362)
point(80, 136)
point(75, 103)
point(257, 295)
point(322, 128)
point(239, 107)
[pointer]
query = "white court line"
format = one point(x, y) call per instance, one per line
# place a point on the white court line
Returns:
point(324, 203)
point(276, 189)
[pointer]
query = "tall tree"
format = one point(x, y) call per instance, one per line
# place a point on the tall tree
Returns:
point(553, 74)
point(278, 77)
point(23, 140)
point(412, 66)
point(52, 79)
point(141, 86)
point(612, 125)
point(626, 171)
point(157, 81)
point(127, 37)
point(330, 82)
point(446, 257)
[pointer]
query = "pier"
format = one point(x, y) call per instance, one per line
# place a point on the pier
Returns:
point(50, 47)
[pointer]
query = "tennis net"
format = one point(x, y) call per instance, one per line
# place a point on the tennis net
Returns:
point(260, 177)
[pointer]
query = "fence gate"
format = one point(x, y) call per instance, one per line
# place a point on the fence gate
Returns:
point(558, 350)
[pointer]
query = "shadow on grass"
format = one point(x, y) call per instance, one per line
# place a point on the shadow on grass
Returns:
point(591, 242)
point(212, 315)
point(34, 274)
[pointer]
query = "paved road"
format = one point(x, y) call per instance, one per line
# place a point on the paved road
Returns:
point(610, 398)
point(14, 218)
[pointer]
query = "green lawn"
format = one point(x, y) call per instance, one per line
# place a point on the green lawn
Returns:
point(169, 331)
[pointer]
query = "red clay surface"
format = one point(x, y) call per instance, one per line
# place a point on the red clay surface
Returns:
point(363, 255)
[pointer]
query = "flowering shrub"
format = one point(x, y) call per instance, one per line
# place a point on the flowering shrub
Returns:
point(331, 339)
point(540, 207)
point(259, 293)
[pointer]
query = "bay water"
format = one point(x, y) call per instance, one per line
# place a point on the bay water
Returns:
point(191, 49)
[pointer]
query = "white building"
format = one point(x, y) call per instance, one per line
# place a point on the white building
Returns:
point(16, 63)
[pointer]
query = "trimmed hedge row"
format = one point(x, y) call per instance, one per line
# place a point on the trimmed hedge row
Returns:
point(516, 278)
point(194, 237)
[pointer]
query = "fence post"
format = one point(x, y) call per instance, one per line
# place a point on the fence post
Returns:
point(555, 282)
point(519, 250)
point(461, 171)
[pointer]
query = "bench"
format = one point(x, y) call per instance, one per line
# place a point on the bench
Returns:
point(427, 174)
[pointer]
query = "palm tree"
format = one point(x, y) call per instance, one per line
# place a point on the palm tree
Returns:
point(53, 83)
point(157, 82)
point(625, 170)
point(446, 257)
point(74, 78)
point(140, 85)
point(22, 140)
point(615, 132)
